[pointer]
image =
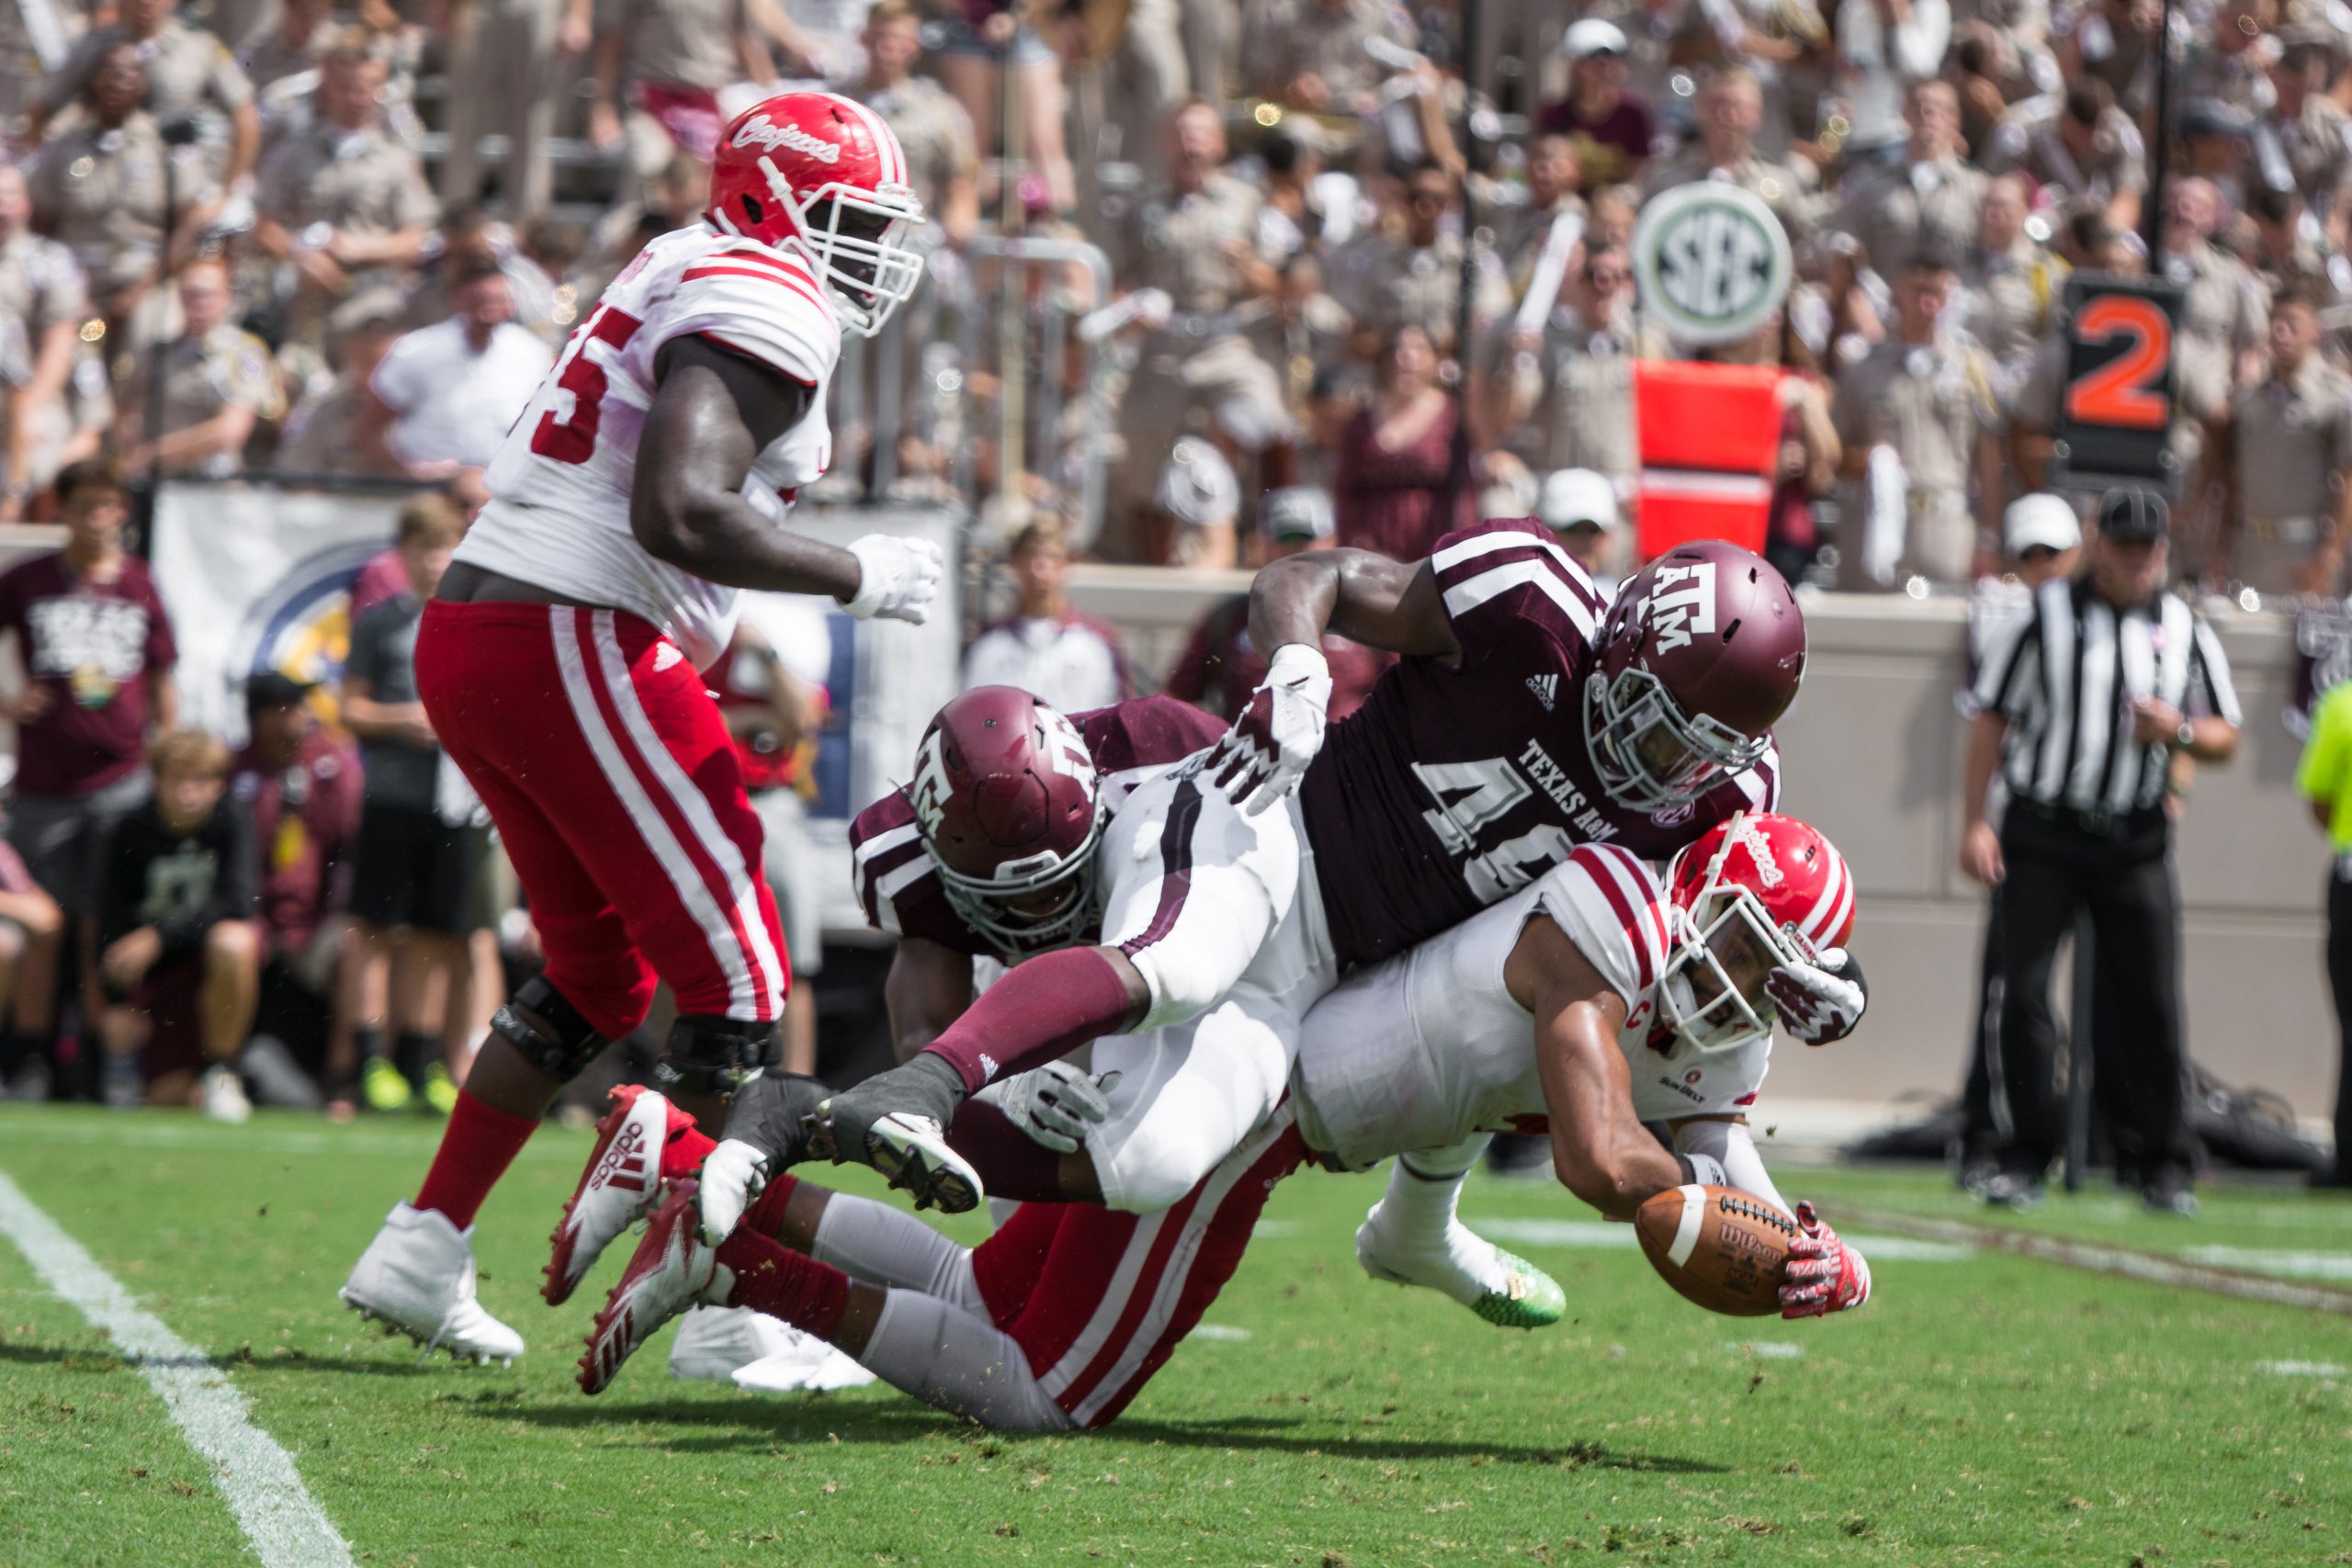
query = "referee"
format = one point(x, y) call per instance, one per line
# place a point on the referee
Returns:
point(2079, 710)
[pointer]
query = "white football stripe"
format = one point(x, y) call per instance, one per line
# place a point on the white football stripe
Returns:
point(287, 1525)
point(1686, 1230)
point(1468, 594)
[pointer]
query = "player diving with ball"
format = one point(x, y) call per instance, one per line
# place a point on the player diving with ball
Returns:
point(1592, 1000)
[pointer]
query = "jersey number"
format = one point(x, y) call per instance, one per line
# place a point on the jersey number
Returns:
point(2121, 394)
point(1469, 795)
point(573, 440)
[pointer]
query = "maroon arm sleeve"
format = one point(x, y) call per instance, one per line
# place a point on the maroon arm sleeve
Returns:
point(1044, 1009)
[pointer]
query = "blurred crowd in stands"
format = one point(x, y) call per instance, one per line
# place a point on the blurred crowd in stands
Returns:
point(1196, 296)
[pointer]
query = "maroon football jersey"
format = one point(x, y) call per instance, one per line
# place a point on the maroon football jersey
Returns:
point(1453, 787)
point(1136, 740)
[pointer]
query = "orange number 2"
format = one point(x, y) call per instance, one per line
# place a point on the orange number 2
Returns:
point(2121, 393)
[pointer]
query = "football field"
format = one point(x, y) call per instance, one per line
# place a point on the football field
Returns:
point(1985, 1407)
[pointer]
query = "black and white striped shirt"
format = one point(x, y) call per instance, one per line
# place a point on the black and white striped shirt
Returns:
point(2065, 679)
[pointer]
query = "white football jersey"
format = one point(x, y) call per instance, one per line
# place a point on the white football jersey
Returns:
point(562, 478)
point(1427, 1048)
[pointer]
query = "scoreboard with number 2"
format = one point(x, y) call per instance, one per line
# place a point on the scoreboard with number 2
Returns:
point(2115, 407)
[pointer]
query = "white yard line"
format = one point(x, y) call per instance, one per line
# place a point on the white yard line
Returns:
point(276, 1511)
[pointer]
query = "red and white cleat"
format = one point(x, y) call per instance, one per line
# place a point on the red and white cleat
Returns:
point(672, 1270)
point(622, 1181)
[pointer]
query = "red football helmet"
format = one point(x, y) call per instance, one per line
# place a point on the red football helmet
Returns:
point(1748, 896)
point(823, 175)
point(1702, 652)
point(1005, 797)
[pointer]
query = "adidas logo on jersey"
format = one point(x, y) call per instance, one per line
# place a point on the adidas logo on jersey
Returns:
point(1546, 689)
point(665, 655)
point(767, 134)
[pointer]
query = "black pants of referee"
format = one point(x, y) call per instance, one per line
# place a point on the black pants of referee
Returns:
point(2058, 865)
point(2339, 981)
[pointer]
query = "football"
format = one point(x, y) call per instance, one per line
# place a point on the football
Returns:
point(1722, 1248)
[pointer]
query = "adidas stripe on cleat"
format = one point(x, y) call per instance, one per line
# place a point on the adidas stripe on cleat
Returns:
point(620, 1184)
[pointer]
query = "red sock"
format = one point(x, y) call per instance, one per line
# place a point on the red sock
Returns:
point(766, 1213)
point(772, 1279)
point(683, 1154)
point(478, 1145)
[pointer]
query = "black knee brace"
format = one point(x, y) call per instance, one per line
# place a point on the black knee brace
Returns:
point(547, 1029)
point(706, 1054)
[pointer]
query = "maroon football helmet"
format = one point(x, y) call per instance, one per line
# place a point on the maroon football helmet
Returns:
point(1004, 795)
point(1700, 656)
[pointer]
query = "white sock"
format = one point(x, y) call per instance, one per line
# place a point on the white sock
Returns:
point(884, 1245)
point(1414, 1231)
point(960, 1363)
point(1424, 1188)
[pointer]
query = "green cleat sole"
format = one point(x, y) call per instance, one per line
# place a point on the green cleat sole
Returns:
point(1534, 1300)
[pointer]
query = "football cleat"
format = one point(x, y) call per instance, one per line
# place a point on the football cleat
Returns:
point(384, 1087)
point(1506, 1290)
point(439, 1096)
point(912, 1152)
point(672, 1270)
point(418, 1276)
point(224, 1095)
point(620, 1183)
point(757, 1352)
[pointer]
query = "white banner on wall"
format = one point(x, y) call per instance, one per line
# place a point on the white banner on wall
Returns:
point(259, 579)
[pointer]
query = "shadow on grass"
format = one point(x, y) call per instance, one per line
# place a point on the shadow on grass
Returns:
point(821, 1419)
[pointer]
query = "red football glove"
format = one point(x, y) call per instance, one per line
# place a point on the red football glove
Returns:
point(1824, 1275)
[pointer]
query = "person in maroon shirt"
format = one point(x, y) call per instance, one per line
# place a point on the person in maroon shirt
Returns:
point(301, 788)
point(1403, 481)
point(1612, 128)
point(97, 648)
point(1220, 666)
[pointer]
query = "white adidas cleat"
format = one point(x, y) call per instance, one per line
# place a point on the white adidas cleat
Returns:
point(912, 1151)
point(672, 1271)
point(1506, 1290)
point(618, 1186)
point(757, 1352)
point(224, 1095)
point(418, 1276)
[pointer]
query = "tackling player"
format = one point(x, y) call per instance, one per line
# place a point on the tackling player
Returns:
point(644, 487)
point(1462, 776)
point(1589, 1002)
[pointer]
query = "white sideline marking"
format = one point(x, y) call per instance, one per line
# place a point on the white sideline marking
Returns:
point(2301, 1368)
point(1220, 1331)
point(1602, 1233)
point(274, 1509)
point(2294, 1264)
point(140, 1132)
point(1767, 1350)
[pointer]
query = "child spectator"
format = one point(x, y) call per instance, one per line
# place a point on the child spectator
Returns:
point(301, 789)
point(180, 949)
point(410, 873)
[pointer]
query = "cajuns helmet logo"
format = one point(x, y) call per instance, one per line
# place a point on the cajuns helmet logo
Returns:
point(1749, 837)
point(1681, 603)
point(765, 132)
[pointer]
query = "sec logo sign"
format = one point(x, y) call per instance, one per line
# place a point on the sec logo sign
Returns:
point(1710, 260)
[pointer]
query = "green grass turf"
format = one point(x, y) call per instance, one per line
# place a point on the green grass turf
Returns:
point(1998, 1410)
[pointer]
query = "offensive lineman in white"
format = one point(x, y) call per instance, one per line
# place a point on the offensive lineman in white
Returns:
point(1593, 1000)
point(647, 484)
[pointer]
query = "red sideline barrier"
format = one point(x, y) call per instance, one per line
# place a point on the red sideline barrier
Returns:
point(1710, 436)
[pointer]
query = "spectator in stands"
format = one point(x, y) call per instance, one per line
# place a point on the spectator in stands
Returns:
point(343, 201)
point(1612, 128)
point(220, 384)
point(411, 874)
point(1413, 278)
point(2225, 323)
point(1730, 111)
point(1310, 54)
point(41, 286)
point(1927, 198)
point(2080, 143)
point(509, 74)
point(2308, 122)
point(2286, 509)
point(1562, 396)
point(1918, 425)
point(659, 68)
point(179, 948)
point(1521, 233)
point(977, 41)
point(342, 431)
point(1048, 647)
point(452, 390)
point(1884, 51)
point(102, 189)
point(2284, 253)
point(301, 789)
point(1404, 466)
point(1580, 507)
point(1197, 242)
point(1220, 667)
point(942, 158)
point(2010, 286)
point(189, 75)
point(1199, 502)
point(31, 928)
point(96, 647)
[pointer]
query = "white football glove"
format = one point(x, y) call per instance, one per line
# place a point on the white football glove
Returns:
point(1266, 752)
point(1057, 1104)
point(734, 1174)
point(897, 577)
point(1821, 1001)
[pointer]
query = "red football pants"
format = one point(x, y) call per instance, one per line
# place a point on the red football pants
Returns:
point(609, 773)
